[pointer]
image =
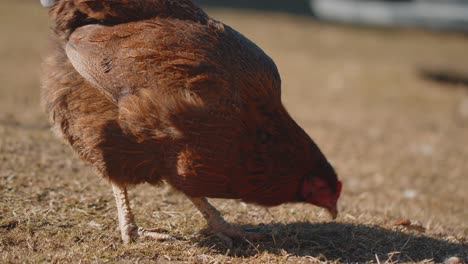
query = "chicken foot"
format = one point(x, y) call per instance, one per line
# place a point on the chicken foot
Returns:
point(218, 226)
point(128, 228)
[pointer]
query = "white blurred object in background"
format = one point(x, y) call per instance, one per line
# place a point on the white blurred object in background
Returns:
point(435, 14)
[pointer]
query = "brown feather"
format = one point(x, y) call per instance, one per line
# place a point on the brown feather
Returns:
point(153, 90)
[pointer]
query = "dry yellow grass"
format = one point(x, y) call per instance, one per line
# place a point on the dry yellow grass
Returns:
point(397, 137)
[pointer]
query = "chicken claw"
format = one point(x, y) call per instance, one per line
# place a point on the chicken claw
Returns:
point(219, 227)
point(129, 230)
point(229, 232)
point(154, 234)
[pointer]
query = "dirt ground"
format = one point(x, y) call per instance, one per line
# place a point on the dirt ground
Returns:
point(389, 109)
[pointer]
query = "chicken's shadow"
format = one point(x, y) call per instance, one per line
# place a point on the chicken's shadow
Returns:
point(344, 242)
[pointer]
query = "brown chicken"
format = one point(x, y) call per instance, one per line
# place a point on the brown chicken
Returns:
point(155, 90)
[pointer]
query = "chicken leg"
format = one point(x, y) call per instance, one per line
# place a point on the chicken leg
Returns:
point(128, 229)
point(218, 226)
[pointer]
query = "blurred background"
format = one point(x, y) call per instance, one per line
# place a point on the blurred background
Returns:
point(430, 14)
point(381, 86)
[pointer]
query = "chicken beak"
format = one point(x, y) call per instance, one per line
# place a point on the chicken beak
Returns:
point(333, 211)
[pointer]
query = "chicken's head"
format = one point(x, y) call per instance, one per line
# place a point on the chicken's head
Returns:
point(322, 188)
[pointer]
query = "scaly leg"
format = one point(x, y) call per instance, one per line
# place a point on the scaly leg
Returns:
point(218, 226)
point(128, 229)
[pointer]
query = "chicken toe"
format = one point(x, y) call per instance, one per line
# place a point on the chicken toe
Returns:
point(227, 232)
point(155, 234)
point(219, 227)
point(129, 230)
